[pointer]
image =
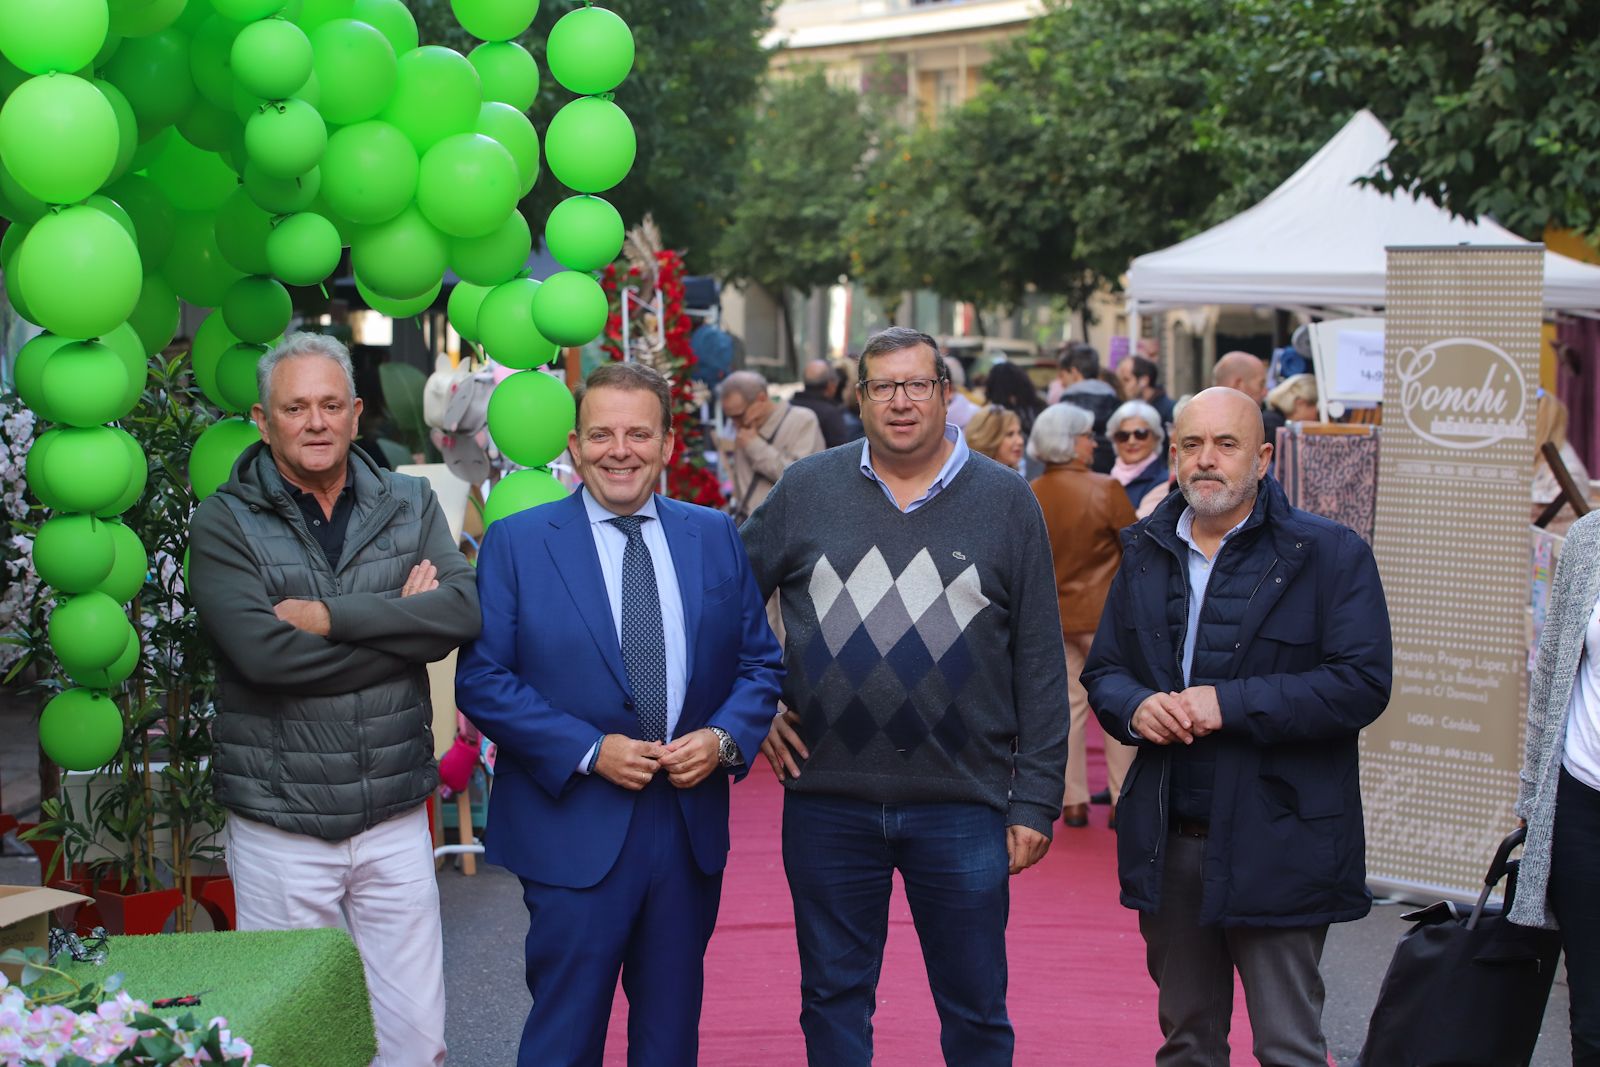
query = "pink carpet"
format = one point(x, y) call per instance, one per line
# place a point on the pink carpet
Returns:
point(1079, 992)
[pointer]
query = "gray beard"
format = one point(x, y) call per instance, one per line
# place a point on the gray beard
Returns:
point(1224, 502)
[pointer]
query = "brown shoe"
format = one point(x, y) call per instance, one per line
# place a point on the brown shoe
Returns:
point(1075, 815)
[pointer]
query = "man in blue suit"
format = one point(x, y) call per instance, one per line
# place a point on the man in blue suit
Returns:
point(626, 671)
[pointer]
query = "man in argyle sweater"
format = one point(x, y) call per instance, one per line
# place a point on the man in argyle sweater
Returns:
point(927, 730)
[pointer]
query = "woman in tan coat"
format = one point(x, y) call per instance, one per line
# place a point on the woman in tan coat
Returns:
point(1084, 513)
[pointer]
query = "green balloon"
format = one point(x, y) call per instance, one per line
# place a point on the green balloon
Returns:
point(129, 568)
point(192, 178)
point(41, 36)
point(512, 130)
point(196, 269)
point(495, 258)
point(506, 330)
point(28, 372)
point(436, 95)
point(369, 172)
point(401, 258)
point(303, 249)
point(141, 19)
point(139, 465)
point(153, 73)
point(236, 376)
point(392, 18)
point(271, 58)
point(59, 137)
point(210, 58)
point(152, 215)
point(462, 310)
point(309, 14)
point(213, 129)
point(127, 127)
point(519, 491)
point(589, 145)
point(285, 139)
point(88, 632)
point(257, 309)
point(121, 668)
point(355, 66)
point(345, 228)
point(211, 462)
point(570, 308)
point(211, 340)
point(398, 309)
point(495, 20)
point(590, 50)
point(80, 729)
point(79, 272)
point(507, 72)
point(84, 384)
point(109, 207)
point(248, 10)
point(584, 233)
point(155, 316)
point(74, 553)
point(530, 415)
point(21, 205)
point(241, 232)
point(129, 348)
point(281, 196)
point(87, 469)
point(468, 184)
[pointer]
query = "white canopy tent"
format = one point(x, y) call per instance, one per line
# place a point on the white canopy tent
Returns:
point(1318, 240)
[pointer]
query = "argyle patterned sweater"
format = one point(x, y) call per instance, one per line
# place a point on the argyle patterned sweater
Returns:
point(923, 650)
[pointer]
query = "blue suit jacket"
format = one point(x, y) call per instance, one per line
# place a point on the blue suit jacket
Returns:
point(546, 677)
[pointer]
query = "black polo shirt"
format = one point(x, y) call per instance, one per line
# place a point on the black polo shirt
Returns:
point(328, 531)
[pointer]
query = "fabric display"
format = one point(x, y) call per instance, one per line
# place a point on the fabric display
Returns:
point(1334, 475)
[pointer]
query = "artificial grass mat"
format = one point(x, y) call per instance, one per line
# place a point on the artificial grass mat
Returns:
point(299, 997)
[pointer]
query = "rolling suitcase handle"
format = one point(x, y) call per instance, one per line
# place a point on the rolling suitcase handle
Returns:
point(1497, 871)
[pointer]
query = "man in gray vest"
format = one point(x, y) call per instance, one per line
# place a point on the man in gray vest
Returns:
point(327, 586)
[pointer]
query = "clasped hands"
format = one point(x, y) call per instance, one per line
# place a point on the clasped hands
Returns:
point(312, 615)
point(1165, 718)
point(687, 760)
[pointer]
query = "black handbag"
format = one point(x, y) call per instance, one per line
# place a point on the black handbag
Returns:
point(1465, 991)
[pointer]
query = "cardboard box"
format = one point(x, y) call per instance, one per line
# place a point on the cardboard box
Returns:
point(25, 918)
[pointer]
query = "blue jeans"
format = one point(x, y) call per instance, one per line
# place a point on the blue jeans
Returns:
point(840, 855)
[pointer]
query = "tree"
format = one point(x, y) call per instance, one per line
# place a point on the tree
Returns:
point(698, 66)
point(805, 151)
point(1495, 107)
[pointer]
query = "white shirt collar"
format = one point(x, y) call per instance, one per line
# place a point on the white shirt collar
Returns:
point(598, 513)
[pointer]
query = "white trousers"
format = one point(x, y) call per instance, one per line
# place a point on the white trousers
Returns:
point(378, 884)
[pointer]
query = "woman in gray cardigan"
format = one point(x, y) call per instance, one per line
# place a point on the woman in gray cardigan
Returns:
point(1560, 880)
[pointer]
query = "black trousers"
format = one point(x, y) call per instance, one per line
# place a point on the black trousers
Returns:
point(1575, 899)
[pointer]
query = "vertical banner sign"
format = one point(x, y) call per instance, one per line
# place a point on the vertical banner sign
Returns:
point(1439, 768)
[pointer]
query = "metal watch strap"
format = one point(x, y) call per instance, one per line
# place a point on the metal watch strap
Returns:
point(727, 751)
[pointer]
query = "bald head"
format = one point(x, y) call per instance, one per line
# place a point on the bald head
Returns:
point(1244, 372)
point(818, 374)
point(1223, 408)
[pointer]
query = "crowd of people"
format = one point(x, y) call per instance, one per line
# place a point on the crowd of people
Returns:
point(907, 631)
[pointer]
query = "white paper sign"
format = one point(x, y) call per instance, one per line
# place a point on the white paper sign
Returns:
point(1358, 364)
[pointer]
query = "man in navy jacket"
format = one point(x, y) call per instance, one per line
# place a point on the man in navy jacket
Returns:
point(626, 672)
point(1243, 647)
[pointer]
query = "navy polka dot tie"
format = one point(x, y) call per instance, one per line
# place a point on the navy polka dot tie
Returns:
point(644, 649)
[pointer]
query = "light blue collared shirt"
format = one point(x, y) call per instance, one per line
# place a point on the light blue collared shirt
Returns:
point(609, 545)
point(952, 466)
point(1199, 577)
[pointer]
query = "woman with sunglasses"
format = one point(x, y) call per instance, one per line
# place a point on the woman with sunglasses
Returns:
point(1141, 467)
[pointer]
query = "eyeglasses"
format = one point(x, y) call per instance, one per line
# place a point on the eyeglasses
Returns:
point(1122, 437)
point(882, 390)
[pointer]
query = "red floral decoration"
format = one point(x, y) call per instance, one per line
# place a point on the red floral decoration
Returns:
point(688, 477)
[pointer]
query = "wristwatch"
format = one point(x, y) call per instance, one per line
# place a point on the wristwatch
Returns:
point(728, 754)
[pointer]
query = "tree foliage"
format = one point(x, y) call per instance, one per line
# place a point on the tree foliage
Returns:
point(698, 67)
point(805, 150)
point(1495, 107)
